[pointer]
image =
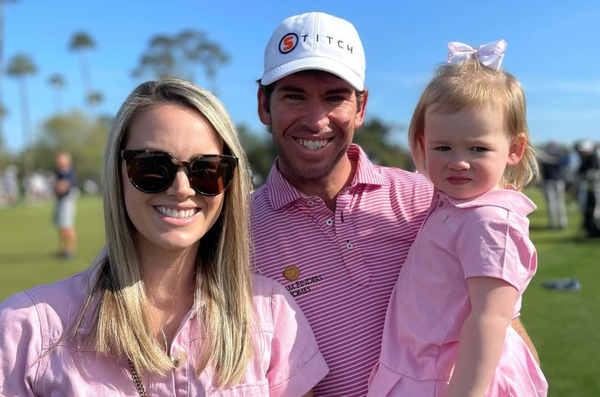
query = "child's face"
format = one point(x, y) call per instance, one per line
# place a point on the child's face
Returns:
point(466, 152)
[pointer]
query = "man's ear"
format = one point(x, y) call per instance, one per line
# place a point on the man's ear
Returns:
point(362, 105)
point(516, 149)
point(264, 108)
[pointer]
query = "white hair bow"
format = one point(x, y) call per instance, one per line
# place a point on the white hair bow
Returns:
point(488, 54)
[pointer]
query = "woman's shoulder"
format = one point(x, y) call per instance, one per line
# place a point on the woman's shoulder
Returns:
point(264, 288)
point(50, 304)
point(271, 300)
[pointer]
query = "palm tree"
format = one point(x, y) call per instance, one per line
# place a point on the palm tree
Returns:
point(177, 56)
point(2, 2)
point(3, 114)
point(160, 60)
point(57, 82)
point(81, 42)
point(94, 98)
point(198, 49)
point(20, 67)
point(210, 56)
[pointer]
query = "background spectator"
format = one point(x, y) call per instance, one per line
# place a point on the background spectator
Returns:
point(552, 167)
point(66, 195)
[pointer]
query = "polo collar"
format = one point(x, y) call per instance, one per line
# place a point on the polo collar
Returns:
point(282, 193)
point(507, 199)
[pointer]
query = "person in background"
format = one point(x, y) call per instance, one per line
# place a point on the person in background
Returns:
point(448, 326)
point(553, 168)
point(65, 209)
point(170, 307)
point(589, 182)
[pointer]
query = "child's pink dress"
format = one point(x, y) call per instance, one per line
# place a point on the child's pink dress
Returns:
point(486, 236)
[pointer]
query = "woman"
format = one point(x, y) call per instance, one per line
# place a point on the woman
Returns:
point(170, 308)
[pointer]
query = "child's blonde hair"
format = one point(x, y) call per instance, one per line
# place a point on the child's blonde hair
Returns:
point(471, 85)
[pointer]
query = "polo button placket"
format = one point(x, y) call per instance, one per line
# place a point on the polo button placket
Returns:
point(346, 237)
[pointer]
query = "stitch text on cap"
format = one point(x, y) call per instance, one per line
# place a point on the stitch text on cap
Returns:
point(330, 40)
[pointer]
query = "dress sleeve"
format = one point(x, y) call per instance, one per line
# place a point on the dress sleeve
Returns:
point(20, 346)
point(492, 248)
point(296, 364)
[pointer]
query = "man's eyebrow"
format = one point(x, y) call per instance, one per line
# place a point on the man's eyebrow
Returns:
point(291, 88)
point(342, 90)
point(299, 89)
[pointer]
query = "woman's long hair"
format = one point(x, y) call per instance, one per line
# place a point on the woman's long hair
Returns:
point(223, 297)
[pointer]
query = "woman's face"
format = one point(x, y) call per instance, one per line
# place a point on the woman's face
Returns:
point(177, 218)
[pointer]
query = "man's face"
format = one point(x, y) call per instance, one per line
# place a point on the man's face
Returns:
point(312, 116)
point(63, 162)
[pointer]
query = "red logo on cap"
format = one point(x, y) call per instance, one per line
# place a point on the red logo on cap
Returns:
point(288, 43)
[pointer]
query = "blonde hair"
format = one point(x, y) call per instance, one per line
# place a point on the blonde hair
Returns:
point(223, 296)
point(471, 85)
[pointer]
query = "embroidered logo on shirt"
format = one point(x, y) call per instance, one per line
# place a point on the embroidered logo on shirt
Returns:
point(291, 273)
point(302, 287)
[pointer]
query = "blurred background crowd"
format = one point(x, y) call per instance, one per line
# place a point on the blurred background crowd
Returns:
point(569, 176)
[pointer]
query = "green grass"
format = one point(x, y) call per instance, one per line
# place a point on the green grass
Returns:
point(562, 325)
point(29, 245)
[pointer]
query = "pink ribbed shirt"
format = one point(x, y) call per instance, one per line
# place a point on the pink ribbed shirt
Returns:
point(341, 267)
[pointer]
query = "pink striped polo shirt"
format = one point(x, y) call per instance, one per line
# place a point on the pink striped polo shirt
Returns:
point(341, 267)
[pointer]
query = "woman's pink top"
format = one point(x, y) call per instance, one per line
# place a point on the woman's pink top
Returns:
point(482, 237)
point(286, 360)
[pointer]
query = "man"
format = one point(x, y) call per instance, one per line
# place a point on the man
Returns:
point(64, 215)
point(552, 167)
point(329, 225)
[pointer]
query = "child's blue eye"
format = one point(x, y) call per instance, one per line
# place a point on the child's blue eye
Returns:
point(479, 149)
point(443, 148)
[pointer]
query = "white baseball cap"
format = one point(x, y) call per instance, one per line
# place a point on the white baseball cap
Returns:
point(315, 41)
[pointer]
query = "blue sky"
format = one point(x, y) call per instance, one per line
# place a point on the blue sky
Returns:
point(553, 49)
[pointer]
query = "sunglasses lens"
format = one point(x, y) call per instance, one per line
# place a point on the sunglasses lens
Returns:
point(211, 175)
point(150, 172)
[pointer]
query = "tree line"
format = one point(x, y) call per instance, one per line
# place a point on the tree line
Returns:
point(83, 133)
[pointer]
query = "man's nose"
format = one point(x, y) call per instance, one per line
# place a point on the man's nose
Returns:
point(316, 116)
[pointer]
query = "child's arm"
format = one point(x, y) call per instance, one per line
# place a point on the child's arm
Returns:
point(482, 336)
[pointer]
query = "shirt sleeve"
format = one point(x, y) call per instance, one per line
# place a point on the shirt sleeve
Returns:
point(20, 346)
point(492, 248)
point(296, 364)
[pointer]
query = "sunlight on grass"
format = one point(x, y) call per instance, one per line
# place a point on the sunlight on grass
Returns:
point(29, 244)
point(562, 325)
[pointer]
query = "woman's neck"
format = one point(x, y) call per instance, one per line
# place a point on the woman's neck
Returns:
point(170, 281)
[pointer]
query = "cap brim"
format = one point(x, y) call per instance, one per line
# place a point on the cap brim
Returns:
point(314, 63)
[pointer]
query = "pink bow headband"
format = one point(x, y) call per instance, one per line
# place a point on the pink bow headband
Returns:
point(489, 55)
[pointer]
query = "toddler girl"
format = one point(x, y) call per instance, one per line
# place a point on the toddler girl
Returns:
point(447, 331)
